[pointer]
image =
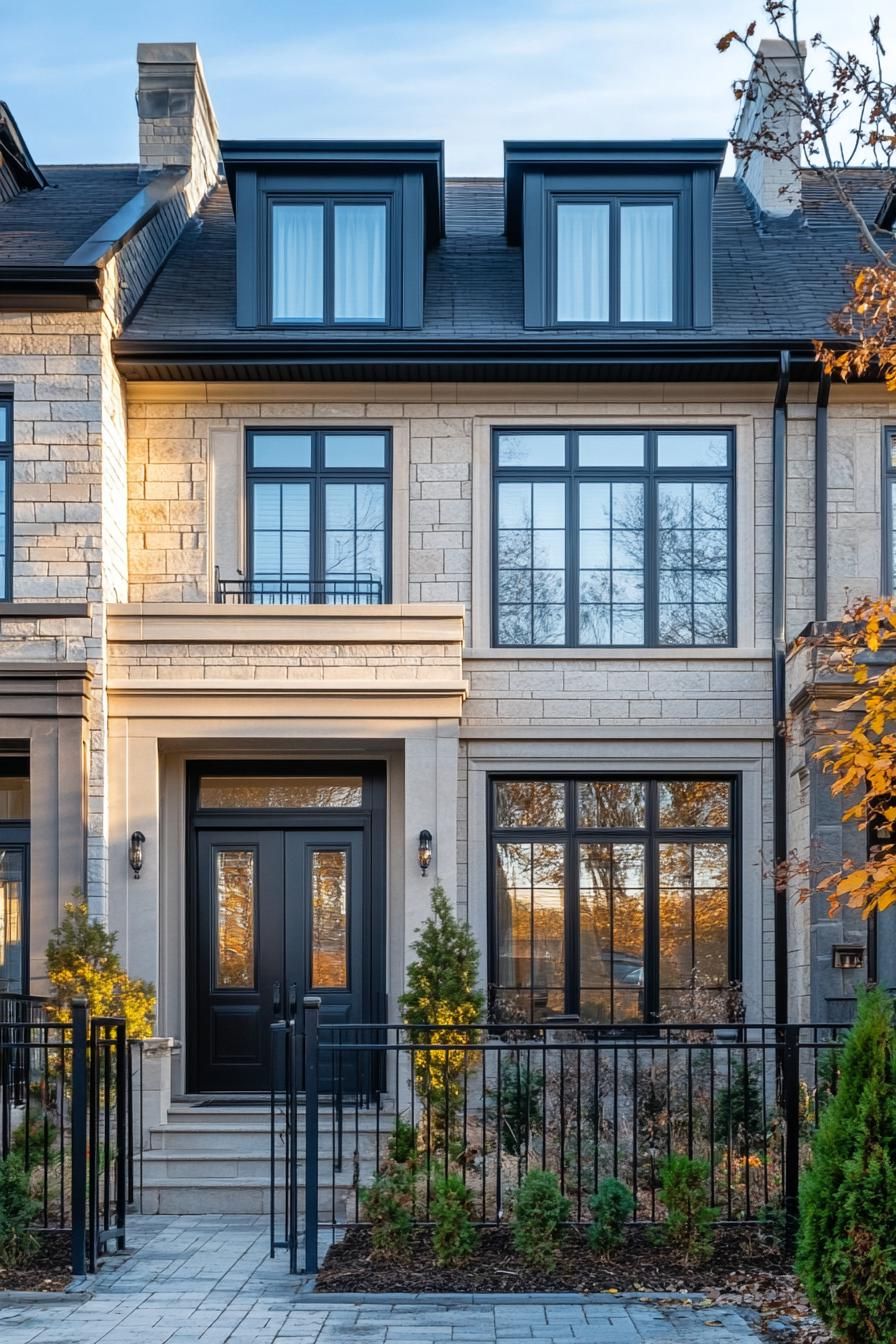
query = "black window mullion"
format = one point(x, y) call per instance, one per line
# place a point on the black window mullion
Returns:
point(572, 547)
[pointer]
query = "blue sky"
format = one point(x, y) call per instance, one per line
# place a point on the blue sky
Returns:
point(471, 72)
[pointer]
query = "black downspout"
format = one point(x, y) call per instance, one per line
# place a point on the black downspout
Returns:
point(779, 700)
point(821, 497)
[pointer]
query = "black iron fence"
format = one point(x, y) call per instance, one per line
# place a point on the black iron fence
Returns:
point(353, 590)
point(67, 1109)
point(586, 1102)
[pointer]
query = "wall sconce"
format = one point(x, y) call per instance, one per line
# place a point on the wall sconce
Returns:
point(135, 853)
point(424, 851)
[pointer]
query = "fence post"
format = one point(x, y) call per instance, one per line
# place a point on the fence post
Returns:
point(790, 1085)
point(121, 1132)
point(312, 1079)
point(79, 1135)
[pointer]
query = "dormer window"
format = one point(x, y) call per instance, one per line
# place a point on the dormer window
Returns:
point(328, 261)
point(614, 261)
point(614, 235)
point(333, 234)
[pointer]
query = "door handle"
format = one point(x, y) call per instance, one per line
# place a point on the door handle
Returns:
point(293, 1002)
point(278, 999)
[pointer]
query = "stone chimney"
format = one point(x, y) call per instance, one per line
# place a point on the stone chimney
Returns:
point(177, 120)
point(773, 184)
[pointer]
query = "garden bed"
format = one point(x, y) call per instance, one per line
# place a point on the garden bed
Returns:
point(50, 1270)
point(744, 1270)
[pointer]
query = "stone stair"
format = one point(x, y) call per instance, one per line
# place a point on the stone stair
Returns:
point(218, 1159)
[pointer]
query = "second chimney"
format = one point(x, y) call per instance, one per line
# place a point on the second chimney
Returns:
point(773, 183)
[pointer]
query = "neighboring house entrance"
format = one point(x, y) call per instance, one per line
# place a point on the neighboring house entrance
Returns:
point(286, 899)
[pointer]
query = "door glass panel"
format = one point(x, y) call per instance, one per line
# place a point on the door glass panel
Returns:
point(611, 927)
point(329, 919)
point(235, 919)
point(530, 802)
point(12, 897)
point(280, 791)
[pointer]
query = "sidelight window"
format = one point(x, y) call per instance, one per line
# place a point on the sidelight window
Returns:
point(613, 537)
point(611, 898)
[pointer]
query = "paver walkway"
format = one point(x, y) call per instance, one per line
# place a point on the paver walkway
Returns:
point(209, 1279)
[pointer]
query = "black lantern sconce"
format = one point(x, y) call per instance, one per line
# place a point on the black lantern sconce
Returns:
point(135, 853)
point(424, 851)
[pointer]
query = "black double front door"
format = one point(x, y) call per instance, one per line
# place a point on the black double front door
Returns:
point(279, 913)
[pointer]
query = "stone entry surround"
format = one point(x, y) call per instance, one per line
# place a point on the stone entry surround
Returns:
point(209, 1278)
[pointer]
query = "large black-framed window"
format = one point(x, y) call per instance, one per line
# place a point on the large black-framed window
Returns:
point(15, 835)
point(319, 515)
point(616, 260)
point(329, 259)
point(612, 897)
point(6, 478)
point(889, 510)
point(613, 537)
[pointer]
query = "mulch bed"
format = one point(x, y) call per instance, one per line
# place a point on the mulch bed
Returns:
point(744, 1270)
point(49, 1272)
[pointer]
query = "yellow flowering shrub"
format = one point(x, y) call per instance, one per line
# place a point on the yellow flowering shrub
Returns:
point(82, 963)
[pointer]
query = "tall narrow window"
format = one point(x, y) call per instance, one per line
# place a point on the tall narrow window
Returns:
point(15, 812)
point(583, 262)
point(612, 898)
point(359, 263)
point(318, 518)
point(646, 263)
point(613, 537)
point(889, 547)
point(5, 500)
point(297, 263)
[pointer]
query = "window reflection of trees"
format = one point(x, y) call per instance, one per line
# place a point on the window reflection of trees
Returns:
point(329, 919)
point(235, 898)
point(225, 791)
point(534, 884)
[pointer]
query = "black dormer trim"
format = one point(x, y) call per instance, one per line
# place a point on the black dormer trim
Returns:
point(685, 173)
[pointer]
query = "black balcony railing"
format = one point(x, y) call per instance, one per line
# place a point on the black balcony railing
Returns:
point(359, 590)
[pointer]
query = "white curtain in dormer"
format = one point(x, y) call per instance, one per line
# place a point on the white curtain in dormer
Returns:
point(359, 263)
point(583, 261)
point(297, 263)
point(646, 263)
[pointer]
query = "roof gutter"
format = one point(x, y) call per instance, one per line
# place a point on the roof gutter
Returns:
point(779, 698)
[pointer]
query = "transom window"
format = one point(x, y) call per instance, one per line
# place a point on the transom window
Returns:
point(613, 537)
point(889, 566)
point(612, 897)
point(318, 516)
point(329, 260)
point(5, 499)
point(614, 261)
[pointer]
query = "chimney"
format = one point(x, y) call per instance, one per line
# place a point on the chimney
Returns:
point(769, 121)
point(177, 120)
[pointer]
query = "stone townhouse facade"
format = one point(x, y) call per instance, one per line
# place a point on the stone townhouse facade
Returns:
point(349, 505)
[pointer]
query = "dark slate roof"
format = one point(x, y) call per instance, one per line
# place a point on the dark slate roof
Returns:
point(45, 227)
point(773, 280)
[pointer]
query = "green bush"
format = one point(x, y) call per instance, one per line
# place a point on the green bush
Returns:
point(611, 1207)
point(442, 989)
point(388, 1203)
point(738, 1112)
point(846, 1253)
point(402, 1143)
point(17, 1213)
point(519, 1093)
point(454, 1235)
point(37, 1143)
point(689, 1216)
point(540, 1210)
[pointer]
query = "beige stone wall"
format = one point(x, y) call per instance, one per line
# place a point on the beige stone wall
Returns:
point(857, 418)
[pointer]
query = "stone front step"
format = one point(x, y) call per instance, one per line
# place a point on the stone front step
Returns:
point(256, 1139)
point(244, 1195)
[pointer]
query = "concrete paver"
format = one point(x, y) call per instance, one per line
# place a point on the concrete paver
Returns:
point(209, 1280)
